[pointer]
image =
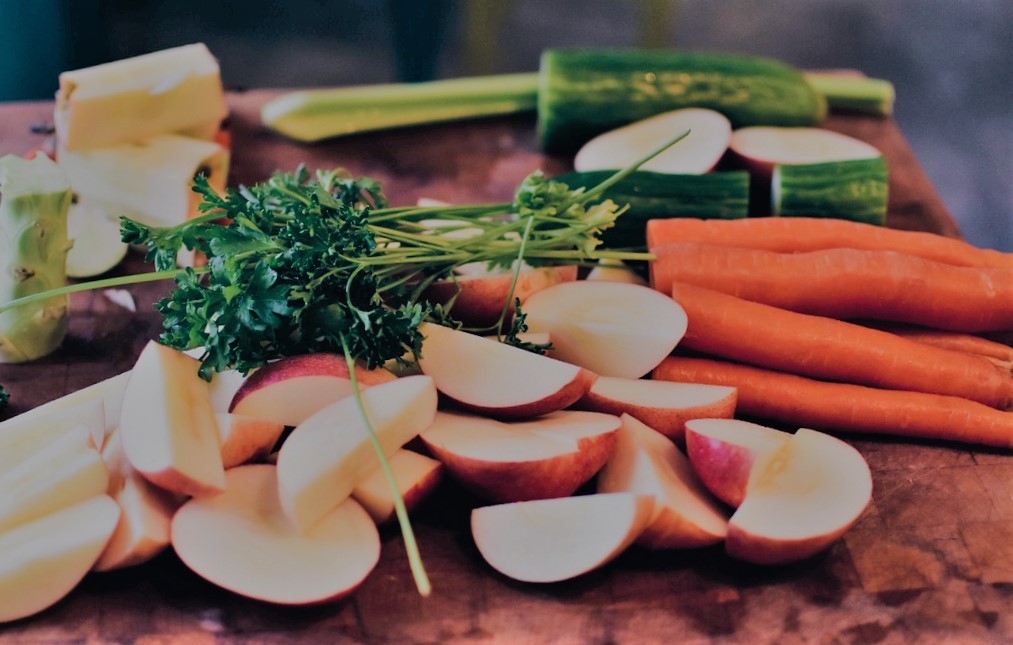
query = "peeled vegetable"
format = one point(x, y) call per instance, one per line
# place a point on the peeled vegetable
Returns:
point(34, 200)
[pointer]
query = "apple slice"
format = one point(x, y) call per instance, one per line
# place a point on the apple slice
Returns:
point(168, 427)
point(19, 438)
point(42, 561)
point(551, 456)
point(416, 475)
point(244, 438)
point(479, 297)
point(108, 391)
point(726, 454)
point(760, 148)
point(242, 541)
point(498, 379)
point(549, 540)
point(646, 462)
point(292, 389)
point(699, 152)
point(330, 453)
point(610, 328)
point(223, 388)
point(665, 406)
point(61, 474)
point(802, 502)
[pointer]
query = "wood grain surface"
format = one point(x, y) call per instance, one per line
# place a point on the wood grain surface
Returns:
point(931, 560)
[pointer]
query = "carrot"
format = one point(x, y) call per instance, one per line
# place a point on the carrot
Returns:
point(800, 401)
point(967, 343)
point(793, 234)
point(825, 348)
point(846, 283)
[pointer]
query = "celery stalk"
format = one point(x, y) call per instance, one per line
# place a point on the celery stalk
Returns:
point(34, 200)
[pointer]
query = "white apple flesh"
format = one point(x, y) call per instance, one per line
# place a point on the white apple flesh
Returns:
point(665, 406)
point(550, 540)
point(699, 152)
point(550, 456)
point(21, 437)
point(416, 475)
point(245, 438)
point(498, 379)
point(760, 148)
point(294, 388)
point(168, 426)
point(647, 462)
point(242, 540)
point(42, 561)
point(330, 453)
point(610, 328)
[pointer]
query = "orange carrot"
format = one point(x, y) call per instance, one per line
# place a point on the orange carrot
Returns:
point(793, 234)
point(967, 343)
point(846, 283)
point(804, 402)
point(825, 348)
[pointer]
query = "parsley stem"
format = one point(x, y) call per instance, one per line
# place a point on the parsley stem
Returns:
point(411, 545)
point(118, 281)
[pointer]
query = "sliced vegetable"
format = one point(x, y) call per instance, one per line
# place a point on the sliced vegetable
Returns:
point(763, 147)
point(96, 235)
point(846, 284)
point(793, 234)
point(824, 348)
point(856, 189)
point(845, 407)
point(853, 92)
point(34, 199)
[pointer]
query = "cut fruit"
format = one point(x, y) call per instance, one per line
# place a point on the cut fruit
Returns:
point(168, 427)
point(551, 456)
point(223, 388)
point(646, 462)
point(292, 389)
point(709, 135)
point(244, 438)
point(557, 539)
point(761, 148)
point(96, 236)
point(665, 406)
point(43, 561)
point(726, 454)
point(109, 391)
point(802, 502)
point(498, 379)
point(479, 298)
point(242, 541)
point(24, 435)
point(67, 471)
point(610, 328)
point(331, 453)
point(416, 475)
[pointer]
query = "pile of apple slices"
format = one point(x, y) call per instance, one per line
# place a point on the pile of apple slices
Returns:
point(283, 461)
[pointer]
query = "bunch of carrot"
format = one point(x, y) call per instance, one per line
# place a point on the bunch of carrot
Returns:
point(843, 326)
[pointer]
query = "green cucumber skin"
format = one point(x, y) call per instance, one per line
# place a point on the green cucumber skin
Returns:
point(857, 190)
point(653, 195)
point(583, 93)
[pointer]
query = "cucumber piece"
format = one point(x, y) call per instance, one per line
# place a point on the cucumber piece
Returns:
point(856, 189)
point(654, 195)
point(583, 93)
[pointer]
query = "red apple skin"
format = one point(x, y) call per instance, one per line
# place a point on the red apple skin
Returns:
point(562, 398)
point(481, 298)
point(722, 469)
point(747, 547)
point(670, 422)
point(521, 481)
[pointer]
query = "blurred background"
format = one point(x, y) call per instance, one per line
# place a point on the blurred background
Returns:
point(951, 62)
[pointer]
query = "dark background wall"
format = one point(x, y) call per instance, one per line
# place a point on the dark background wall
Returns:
point(951, 61)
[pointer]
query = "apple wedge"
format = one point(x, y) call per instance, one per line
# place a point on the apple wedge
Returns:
point(292, 389)
point(19, 438)
point(549, 540)
point(42, 561)
point(416, 475)
point(243, 541)
point(646, 462)
point(700, 151)
point(610, 328)
point(67, 471)
point(479, 298)
point(551, 456)
point(330, 453)
point(498, 379)
point(802, 502)
point(761, 148)
point(168, 425)
point(665, 406)
point(244, 438)
point(223, 388)
point(108, 391)
point(727, 453)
